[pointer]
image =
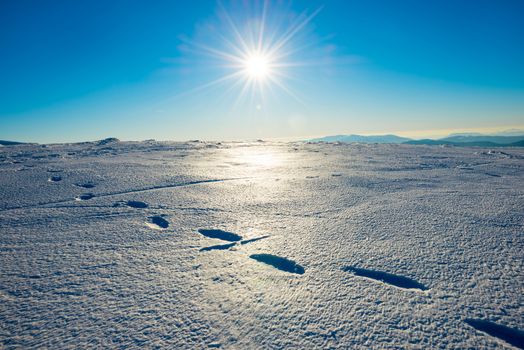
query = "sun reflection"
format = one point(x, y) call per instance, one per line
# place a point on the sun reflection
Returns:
point(263, 159)
point(253, 158)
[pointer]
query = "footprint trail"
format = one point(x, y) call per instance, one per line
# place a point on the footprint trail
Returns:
point(220, 234)
point(511, 336)
point(157, 222)
point(389, 278)
point(85, 197)
point(279, 263)
point(136, 204)
point(86, 185)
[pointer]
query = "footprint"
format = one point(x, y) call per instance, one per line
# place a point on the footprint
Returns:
point(85, 197)
point(87, 185)
point(157, 223)
point(278, 262)
point(55, 179)
point(511, 336)
point(136, 204)
point(395, 280)
point(218, 247)
point(223, 235)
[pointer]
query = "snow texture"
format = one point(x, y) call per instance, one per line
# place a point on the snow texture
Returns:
point(260, 246)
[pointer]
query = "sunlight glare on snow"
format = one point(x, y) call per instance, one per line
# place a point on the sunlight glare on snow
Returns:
point(254, 158)
point(260, 159)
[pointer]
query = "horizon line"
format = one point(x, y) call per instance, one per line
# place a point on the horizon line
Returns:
point(414, 135)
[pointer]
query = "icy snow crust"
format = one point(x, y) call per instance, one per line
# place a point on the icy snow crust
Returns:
point(260, 245)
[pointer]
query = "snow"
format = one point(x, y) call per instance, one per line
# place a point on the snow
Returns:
point(260, 245)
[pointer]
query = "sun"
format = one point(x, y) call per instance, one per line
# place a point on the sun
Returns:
point(255, 54)
point(257, 67)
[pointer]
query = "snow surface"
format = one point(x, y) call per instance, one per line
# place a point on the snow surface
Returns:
point(260, 245)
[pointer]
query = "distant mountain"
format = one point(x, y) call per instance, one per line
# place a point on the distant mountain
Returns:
point(517, 144)
point(509, 132)
point(508, 138)
point(445, 142)
point(504, 140)
point(428, 142)
point(362, 139)
point(465, 134)
point(10, 143)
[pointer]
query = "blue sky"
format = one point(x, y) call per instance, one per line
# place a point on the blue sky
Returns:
point(75, 71)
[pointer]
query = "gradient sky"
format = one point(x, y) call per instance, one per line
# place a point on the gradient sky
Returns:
point(85, 70)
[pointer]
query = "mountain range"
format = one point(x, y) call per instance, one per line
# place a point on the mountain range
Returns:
point(459, 140)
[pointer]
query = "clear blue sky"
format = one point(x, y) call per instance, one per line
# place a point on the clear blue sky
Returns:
point(80, 70)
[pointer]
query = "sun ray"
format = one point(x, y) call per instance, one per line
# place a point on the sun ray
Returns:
point(243, 92)
point(217, 53)
point(258, 53)
point(215, 82)
point(234, 29)
point(275, 81)
point(262, 26)
point(292, 32)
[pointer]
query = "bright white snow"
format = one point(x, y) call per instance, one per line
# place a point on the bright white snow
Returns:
point(260, 245)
